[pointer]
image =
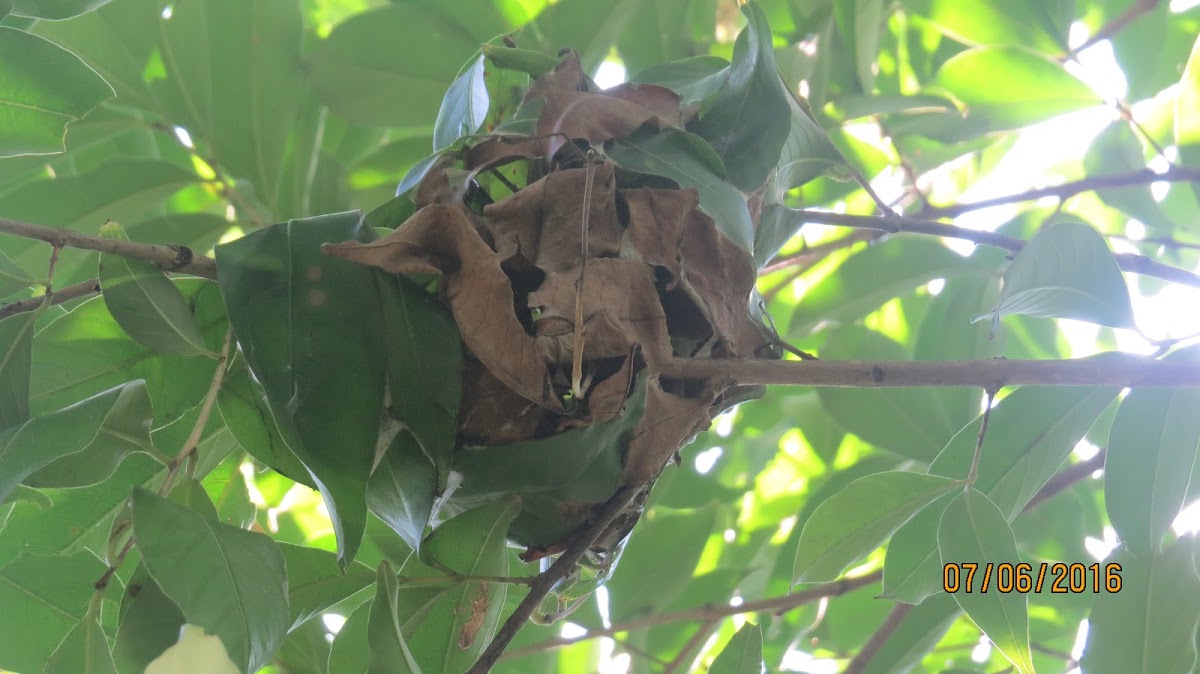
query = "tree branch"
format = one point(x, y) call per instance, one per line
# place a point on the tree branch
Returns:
point(66, 294)
point(858, 664)
point(1116, 370)
point(1138, 8)
point(1066, 478)
point(167, 257)
point(710, 612)
point(1066, 190)
point(1138, 264)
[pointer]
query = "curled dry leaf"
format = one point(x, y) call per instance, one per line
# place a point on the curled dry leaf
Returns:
point(659, 281)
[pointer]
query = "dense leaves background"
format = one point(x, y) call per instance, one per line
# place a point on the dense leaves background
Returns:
point(203, 121)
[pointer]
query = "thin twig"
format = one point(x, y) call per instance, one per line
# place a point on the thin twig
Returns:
point(167, 257)
point(1113, 27)
point(983, 426)
point(1117, 370)
point(1065, 190)
point(577, 355)
point(858, 664)
point(71, 292)
point(550, 578)
point(685, 656)
point(777, 605)
point(1130, 262)
point(1066, 478)
point(206, 407)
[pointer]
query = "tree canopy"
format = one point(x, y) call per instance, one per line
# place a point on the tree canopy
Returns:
point(354, 336)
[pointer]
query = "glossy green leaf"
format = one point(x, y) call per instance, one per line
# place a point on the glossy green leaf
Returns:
point(388, 648)
point(54, 9)
point(913, 422)
point(974, 530)
point(79, 445)
point(1187, 113)
point(246, 412)
point(402, 489)
point(360, 74)
point(43, 88)
point(532, 63)
point(1151, 450)
point(872, 276)
point(350, 652)
point(748, 120)
point(310, 329)
point(743, 653)
point(12, 277)
point(65, 370)
point(1150, 624)
point(464, 107)
point(229, 581)
point(1031, 23)
point(1066, 271)
point(448, 627)
point(316, 582)
point(642, 585)
point(194, 652)
point(44, 597)
point(858, 519)
point(694, 79)
point(1009, 87)
point(424, 367)
point(145, 303)
point(16, 345)
point(688, 160)
point(84, 650)
point(1031, 432)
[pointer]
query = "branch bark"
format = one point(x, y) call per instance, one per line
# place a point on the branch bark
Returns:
point(71, 292)
point(1138, 8)
point(1138, 264)
point(1117, 370)
point(167, 257)
point(1065, 190)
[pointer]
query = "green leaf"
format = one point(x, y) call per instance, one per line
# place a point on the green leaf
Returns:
point(402, 489)
point(1187, 114)
point(226, 580)
point(246, 412)
point(1032, 23)
point(807, 153)
point(85, 351)
point(145, 303)
point(388, 648)
point(464, 107)
point(1031, 432)
point(1151, 450)
point(532, 63)
point(12, 277)
point(918, 633)
point(226, 488)
point(79, 445)
point(150, 624)
point(43, 88)
point(858, 519)
point(316, 582)
point(590, 28)
point(360, 74)
point(974, 530)
point(310, 328)
point(642, 585)
point(1150, 624)
point(688, 160)
point(350, 652)
point(43, 599)
point(1066, 271)
point(861, 23)
point(424, 368)
point(1116, 150)
point(447, 628)
point(16, 345)
point(194, 652)
point(1011, 86)
point(54, 10)
point(872, 276)
point(748, 122)
point(84, 650)
point(743, 653)
point(694, 79)
point(910, 421)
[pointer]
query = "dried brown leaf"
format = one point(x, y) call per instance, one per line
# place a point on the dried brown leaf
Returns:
point(670, 422)
point(440, 239)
